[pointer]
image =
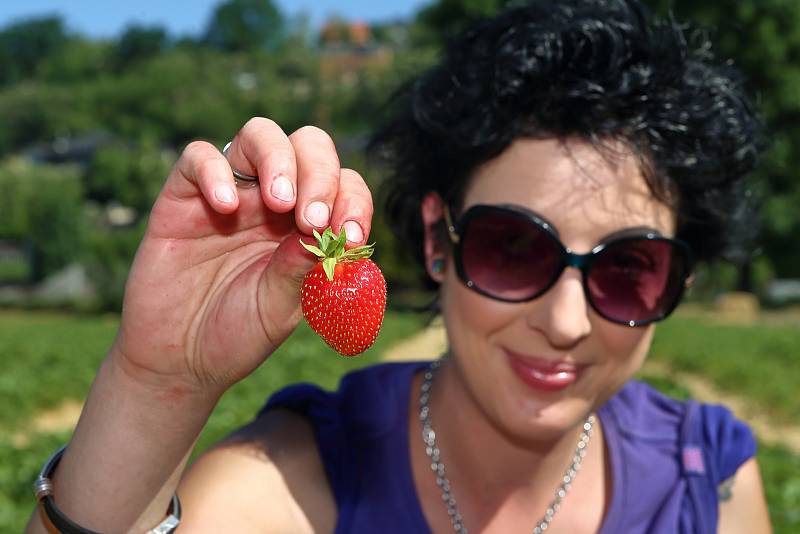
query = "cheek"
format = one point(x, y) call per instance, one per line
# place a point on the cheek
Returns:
point(471, 318)
point(625, 350)
point(629, 343)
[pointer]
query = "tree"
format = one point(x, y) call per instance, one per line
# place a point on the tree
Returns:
point(44, 207)
point(763, 40)
point(77, 61)
point(435, 23)
point(42, 112)
point(242, 25)
point(129, 174)
point(138, 43)
point(25, 44)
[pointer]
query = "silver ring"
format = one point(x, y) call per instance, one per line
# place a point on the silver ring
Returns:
point(241, 179)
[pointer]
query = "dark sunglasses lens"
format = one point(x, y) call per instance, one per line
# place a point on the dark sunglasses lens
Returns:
point(507, 255)
point(638, 279)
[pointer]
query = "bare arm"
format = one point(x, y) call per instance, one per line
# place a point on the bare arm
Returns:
point(213, 291)
point(267, 478)
point(127, 454)
point(745, 510)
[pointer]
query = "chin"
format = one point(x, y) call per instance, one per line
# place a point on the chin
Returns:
point(529, 420)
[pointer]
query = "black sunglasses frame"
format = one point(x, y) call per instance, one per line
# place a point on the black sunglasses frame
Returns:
point(582, 262)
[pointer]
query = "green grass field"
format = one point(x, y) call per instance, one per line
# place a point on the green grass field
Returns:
point(760, 361)
point(52, 357)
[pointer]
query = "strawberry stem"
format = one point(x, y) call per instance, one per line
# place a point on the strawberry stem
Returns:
point(331, 250)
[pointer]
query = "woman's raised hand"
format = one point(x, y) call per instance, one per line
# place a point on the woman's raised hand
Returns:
point(215, 286)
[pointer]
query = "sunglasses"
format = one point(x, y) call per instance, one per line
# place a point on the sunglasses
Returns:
point(510, 254)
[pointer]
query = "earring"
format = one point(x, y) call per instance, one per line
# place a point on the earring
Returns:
point(437, 265)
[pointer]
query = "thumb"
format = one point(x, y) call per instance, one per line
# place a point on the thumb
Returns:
point(282, 279)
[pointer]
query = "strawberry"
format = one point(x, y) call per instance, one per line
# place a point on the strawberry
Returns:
point(344, 294)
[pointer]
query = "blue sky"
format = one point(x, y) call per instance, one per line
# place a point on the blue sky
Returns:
point(98, 18)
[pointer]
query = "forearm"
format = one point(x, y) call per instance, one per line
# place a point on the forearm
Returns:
point(128, 452)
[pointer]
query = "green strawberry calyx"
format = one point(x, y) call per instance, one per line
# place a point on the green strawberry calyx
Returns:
point(331, 250)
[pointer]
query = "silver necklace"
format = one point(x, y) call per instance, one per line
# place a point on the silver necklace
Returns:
point(437, 466)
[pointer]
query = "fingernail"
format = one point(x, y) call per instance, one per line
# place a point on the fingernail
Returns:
point(282, 189)
point(354, 232)
point(224, 193)
point(317, 214)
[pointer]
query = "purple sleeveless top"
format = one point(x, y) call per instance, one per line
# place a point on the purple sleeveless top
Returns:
point(667, 456)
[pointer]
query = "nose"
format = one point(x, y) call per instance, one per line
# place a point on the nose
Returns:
point(562, 313)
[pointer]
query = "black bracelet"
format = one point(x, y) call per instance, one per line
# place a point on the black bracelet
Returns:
point(43, 488)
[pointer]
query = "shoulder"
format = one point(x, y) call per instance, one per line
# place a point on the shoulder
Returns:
point(683, 449)
point(639, 411)
point(643, 413)
point(365, 398)
point(280, 472)
point(265, 477)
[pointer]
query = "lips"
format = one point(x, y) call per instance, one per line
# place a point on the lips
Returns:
point(543, 374)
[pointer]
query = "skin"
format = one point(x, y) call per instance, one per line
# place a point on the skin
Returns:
point(207, 268)
point(531, 433)
point(213, 291)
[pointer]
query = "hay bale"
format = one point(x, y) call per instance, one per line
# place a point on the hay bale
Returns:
point(737, 307)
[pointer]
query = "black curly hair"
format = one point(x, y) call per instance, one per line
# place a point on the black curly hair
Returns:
point(600, 70)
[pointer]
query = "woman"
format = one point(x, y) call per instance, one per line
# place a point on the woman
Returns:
point(560, 169)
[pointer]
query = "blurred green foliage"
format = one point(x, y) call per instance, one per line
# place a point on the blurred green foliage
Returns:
point(138, 43)
point(129, 175)
point(44, 206)
point(762, 38)
point(240, 25)
point(137, 99)
point(108, 258)
point(27, 44)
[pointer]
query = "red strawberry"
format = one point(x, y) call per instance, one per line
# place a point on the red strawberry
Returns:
point(344, 294)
